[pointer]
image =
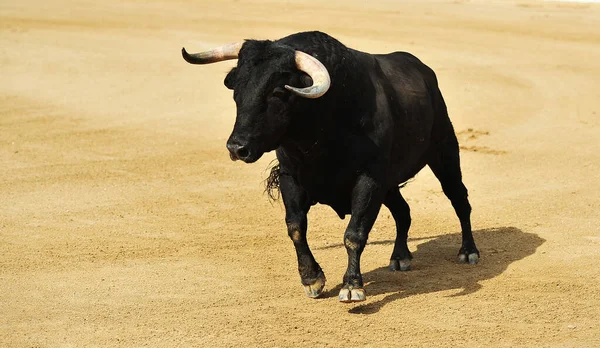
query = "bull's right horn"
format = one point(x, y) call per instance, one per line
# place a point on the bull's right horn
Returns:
point(318, 73)
point(218, 54)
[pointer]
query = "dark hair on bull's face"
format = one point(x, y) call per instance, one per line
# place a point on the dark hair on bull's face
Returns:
point(264, 105)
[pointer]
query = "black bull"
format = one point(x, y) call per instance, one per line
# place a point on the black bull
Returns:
point(353, 130)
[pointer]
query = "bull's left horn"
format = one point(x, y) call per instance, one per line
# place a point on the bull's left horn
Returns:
point(218, 54)
point(317, 71)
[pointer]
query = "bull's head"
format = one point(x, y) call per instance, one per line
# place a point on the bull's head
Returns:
point(262, 89)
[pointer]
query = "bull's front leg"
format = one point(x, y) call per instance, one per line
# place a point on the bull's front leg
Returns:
point(367, 198)
point(297, 205)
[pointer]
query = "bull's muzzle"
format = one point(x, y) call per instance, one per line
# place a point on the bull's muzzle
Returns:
point(238, 151)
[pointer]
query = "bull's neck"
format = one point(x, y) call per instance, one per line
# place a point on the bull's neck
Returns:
point(316, 124)
point(307, 137)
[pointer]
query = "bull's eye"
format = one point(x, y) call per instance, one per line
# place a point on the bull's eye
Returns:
point(280, 93)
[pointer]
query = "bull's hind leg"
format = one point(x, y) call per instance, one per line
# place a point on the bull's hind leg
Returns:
point(401, 256)
point(296, 207)
point(445, 164)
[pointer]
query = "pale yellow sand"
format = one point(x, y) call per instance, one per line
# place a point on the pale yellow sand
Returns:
point(124, 223)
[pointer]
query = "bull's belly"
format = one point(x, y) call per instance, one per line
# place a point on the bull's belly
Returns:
point(341, 205)
point(405, 175)
point(337, 193)
point(335, 188)
point(334, 192)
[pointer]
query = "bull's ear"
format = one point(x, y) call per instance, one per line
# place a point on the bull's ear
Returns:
point(230, 78)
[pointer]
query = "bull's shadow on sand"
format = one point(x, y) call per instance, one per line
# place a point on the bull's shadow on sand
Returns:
point(434, 267)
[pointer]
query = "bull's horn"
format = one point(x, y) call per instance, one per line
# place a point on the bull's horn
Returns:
point(317, 71)
point(218, 54)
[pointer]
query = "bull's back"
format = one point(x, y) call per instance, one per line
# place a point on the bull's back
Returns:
point(412, 91)
point(411, 80)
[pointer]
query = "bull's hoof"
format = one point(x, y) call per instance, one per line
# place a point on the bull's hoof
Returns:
point(315, 289)
point(472, 258)
point(348, 295)
point(468, 253)
point(400, 265)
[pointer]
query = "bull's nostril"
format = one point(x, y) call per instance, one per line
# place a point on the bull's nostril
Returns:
point(243, 152)
point(238, 151)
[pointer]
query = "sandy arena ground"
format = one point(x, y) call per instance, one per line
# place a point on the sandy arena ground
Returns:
point(124, 223)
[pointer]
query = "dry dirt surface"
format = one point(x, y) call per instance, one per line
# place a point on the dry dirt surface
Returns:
point(124, 223)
